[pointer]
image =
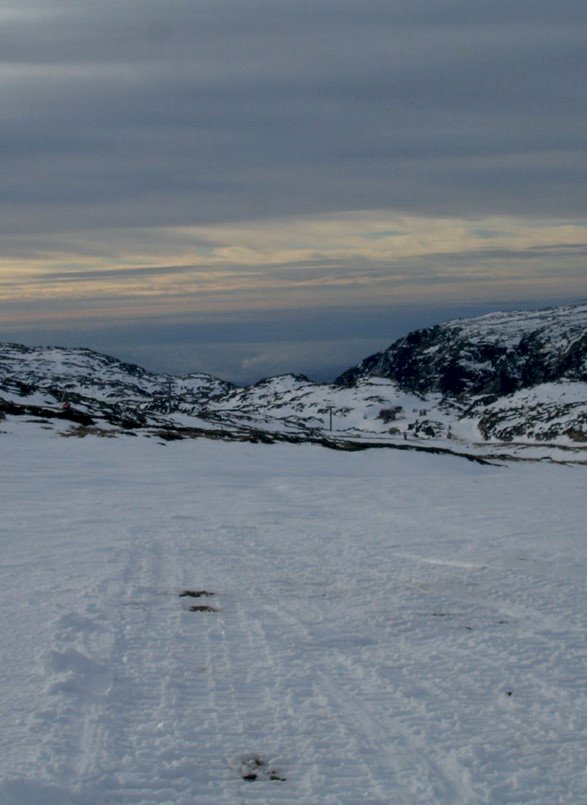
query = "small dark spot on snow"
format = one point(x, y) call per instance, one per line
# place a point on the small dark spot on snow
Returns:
point(170, 435)
point(194, 593)
point(503, 621)
point(509, 692)
point(439, 614)
point(202, 608)
point(255, 768)
point(469, 628)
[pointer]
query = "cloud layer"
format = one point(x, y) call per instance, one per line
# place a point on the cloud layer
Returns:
point(153, 113)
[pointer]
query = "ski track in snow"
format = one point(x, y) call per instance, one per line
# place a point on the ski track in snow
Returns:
point(390, 628)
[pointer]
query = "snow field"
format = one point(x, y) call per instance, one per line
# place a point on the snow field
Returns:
point(391, 627)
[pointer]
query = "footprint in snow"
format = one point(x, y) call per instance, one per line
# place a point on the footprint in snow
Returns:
point(72, 672)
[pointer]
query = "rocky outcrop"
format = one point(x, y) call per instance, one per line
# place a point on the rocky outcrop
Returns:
point(495, 354)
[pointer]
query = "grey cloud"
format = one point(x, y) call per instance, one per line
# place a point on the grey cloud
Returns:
point(140, 272)
point(151, 113)
point(78, 30)
point(540, 255)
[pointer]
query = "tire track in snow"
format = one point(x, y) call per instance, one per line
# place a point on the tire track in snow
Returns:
point(355, 762)
point(110, 741)
point(136, 738)
point(366, 718)
point(251, 714)
point(273, 703)
point(169, 653)
point(177, 674)
point(387, 723)
point(372, 747)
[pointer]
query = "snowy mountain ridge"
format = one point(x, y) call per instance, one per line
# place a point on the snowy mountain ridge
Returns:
point(497, 353)
point(503, 382)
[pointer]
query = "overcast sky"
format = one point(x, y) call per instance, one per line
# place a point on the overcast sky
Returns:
point(247, 187)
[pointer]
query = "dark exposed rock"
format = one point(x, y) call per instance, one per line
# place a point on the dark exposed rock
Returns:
point(19, 409)
point(495, 354)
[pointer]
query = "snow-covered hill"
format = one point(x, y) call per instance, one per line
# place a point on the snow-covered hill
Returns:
point(84, 375)
point(505, 382)
point(493, 354)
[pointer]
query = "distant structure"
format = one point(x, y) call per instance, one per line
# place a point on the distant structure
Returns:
point(330, 409)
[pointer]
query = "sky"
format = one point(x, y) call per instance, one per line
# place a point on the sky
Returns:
point(249, 187)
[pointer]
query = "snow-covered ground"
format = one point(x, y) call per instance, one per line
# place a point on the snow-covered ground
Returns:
point(391, 627)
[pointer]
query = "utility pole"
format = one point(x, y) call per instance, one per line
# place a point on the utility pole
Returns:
point(330, 409)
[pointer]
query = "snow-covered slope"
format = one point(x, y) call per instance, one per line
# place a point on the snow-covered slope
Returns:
point(388, 627)
point(548, 412)
point(99, 385)
point(58, 372)
point(294, 401)
point(505, 380)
